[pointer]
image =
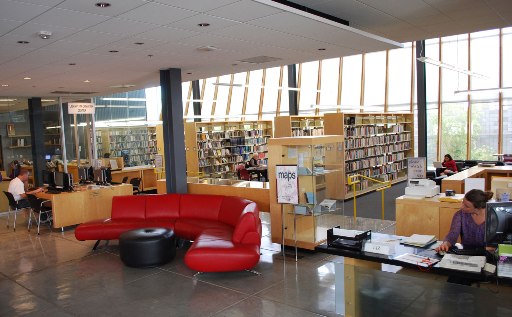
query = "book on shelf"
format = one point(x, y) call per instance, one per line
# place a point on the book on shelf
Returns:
point(419, 240)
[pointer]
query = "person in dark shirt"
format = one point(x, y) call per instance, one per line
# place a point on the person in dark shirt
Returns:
point(254, 162)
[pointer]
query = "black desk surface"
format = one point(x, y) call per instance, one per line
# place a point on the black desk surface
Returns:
point(399, 250)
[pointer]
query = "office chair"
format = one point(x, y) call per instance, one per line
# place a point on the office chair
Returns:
point(37, 207)
point(243, 173)
point(125, 180)
point(136, 185)
point(13, 208)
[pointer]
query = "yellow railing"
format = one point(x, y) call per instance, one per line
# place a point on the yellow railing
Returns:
point(355, 179)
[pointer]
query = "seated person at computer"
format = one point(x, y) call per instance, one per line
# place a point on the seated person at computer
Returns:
point(450, 165)
point(468, 222)
point(254, 162)
point(17, 189)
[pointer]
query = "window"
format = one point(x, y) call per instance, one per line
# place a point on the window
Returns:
point(374, 81)
point(351, 83)
point(308, 87)
point(330, 81)
point(222, 97)
point(399, 79)
point(271, 90)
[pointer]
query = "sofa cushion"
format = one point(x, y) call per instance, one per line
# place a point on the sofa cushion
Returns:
point(200, 206)
point(129, 207)
point(233, 207)
point(162, 206)
point(191, 228)
point(214, 252)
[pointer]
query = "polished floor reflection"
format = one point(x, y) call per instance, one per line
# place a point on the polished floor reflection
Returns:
point(55, 275)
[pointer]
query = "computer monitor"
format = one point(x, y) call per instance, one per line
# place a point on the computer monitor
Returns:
point(498, 223)
point(58, 179)
point(108, 175)
point(48, 157)
point(100, 176)
point(83, 174)
point(68, 181)
point(48, 178)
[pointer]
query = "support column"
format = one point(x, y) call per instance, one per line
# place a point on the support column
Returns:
point(35, 111)
point(173, 131)
point(421, 95)
point(196, 95)
point(292, 93)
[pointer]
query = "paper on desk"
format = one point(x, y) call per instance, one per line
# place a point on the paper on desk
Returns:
point(463, 262)
point(416, 259)
point(419, 240)
point(345, 232)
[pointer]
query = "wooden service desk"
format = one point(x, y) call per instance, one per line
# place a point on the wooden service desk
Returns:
point(72, 208)
point(425, 216)
point(146, 173)
point(456, 181)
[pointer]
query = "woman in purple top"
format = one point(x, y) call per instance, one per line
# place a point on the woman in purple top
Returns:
point(468, 222)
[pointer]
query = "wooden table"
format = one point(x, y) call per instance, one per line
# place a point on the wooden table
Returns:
point(456, 181)
point(72, 208)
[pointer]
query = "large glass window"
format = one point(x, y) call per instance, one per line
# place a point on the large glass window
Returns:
point(374, 81)
point(285, 97)
point(237, 96)
point(454, 129)
point(221, 102)
point(507, 94)
point(271, 90)
point(330, 81)
point(399, 79)
point(308, 87)
point(253, 97)
point(351, 83)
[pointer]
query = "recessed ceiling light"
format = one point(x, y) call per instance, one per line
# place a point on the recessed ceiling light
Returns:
point(23, 42)
point(138, 43)
point(102, 4)
point(123, 86)
point(87, 81)
point(150, 55)
point(234, 64)
point(113, 51)
point(5, 85)
point(47, 100)
point(203, 24)
point(72, 64)
point(189, 73)
point(321, 49)
point(7, 100)
point(27, 78)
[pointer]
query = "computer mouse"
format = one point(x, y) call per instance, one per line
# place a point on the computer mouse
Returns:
point(458, 246)
point(441, 252)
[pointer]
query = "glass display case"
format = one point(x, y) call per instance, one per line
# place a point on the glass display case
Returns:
point(319, 162)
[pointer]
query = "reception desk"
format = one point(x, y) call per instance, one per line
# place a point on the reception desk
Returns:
point(84, 205)
point(456, 181)
point(425, 216)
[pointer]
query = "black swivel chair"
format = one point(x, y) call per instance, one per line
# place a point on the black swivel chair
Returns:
point(38, 208)
point(136, 185)
point(125, 180)
point(13, 208)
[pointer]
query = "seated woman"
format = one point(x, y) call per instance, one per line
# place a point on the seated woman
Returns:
point(468, 222)
point(451, 166)
point(254, 162)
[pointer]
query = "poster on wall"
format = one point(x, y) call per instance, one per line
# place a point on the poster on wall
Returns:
point(287, 184)
point(81, 108)
point(416, 167)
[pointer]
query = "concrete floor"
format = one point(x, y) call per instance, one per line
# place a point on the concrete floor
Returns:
point(55, 275)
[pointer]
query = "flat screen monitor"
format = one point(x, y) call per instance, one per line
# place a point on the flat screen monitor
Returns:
point(100, 176)
point(48, 157)
point(83, 174)
point(59, 180)
point(48, 178)
point(498, 223)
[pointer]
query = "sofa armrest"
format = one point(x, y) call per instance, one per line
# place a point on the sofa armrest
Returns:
point(248, 229)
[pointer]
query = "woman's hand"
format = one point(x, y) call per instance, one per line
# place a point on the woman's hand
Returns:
point(445, 246)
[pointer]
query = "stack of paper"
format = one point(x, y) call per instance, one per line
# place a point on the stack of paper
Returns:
point(419, 240)
point(463, 262)
point(417, 259)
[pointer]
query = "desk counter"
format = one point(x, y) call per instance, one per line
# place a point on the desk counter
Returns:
point(84, 205)
point(456, 181)
point(424, 216)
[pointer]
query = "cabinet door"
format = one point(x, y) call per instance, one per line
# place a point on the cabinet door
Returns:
point(417, 218)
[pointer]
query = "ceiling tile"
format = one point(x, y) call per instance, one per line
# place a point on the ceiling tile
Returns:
point(243, 11)
point(191, 23)
point(20, 11)
point(31, 30)
point(197, 5)
point(167, 34)
point(68, 18)
point(157, 13)
point(7, 26)
point(121, 27)
point(117, 6)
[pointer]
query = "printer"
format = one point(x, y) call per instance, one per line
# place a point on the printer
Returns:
point(420, 188)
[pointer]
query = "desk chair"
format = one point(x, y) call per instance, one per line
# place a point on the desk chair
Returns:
point(38, 208)
point(125, 180)
point(13, 208)
point(136, 185)
point(243, 173)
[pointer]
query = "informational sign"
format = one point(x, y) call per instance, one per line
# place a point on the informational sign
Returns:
point(287, 184)
point(416, 167)
point(80, 108)
point(159, 160)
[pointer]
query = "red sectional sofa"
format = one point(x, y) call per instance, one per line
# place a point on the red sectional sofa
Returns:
point(226, 230)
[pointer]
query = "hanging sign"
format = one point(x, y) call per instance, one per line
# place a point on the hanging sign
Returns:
point(416, 167)
point(287, 184)
point(80, 108)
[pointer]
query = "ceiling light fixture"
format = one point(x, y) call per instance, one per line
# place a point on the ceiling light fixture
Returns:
point(72, 64)
point(138, 43)
point(113, 51)
point(87, 81)
point(27, 78)
point(472, 91)
point(102, 4)
point(23, 42)
point(204, 24)
point(5, 85)
point(7, 100)
point(47, 100)
point(428, 60)
point(45, 34)
point(321, 49)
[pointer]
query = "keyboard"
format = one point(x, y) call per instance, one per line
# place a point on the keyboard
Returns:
point(468, 252)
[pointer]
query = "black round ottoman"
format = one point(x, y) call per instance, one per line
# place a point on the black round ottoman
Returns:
point(147, 247)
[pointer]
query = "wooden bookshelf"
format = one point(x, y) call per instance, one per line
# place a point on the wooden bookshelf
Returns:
point(214, 149)
point(288, 126)
point(137, 144)
point(376, 145)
